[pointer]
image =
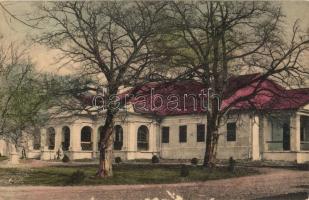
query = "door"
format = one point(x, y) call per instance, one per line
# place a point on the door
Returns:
point(286, 137)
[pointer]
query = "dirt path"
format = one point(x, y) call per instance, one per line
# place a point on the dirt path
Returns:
point(274, 182)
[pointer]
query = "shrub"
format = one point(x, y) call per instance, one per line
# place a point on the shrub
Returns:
point(65, 158)
point(232, 163)
point(194, 161)
point(0, 155)
point(155, 159)
point(184, 171)
point(118, 160)
point(77, 177)
point(303, 166)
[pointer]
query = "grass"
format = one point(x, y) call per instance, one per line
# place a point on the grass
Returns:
point(123, 174)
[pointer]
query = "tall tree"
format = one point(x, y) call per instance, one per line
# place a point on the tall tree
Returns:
point(212, 41)
point(23, 101)
point(106, 39)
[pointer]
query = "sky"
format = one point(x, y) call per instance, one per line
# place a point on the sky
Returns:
point(44, 58)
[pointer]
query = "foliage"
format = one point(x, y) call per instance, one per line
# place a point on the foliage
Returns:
point(77, 177)
point(24, 102)
point(155, 159)
point(232, 164)
point(65, 158)
point(184, 171)
point(118, 160)
point(303, 166)
point(194, 161)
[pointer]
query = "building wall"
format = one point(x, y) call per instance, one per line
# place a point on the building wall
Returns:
point(241, 148)
point(252, 135)
point(176, 150)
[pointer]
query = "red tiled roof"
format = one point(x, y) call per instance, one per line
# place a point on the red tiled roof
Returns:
point(266, 95)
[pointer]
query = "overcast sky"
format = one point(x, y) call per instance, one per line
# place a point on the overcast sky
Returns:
point(13, 30)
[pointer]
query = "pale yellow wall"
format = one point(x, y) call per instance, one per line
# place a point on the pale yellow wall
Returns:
point(176, 150)
point(239, 149)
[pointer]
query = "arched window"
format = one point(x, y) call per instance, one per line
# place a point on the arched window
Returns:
point(50, 138)
point(65, 138)
point(37, 139)
point(118, 137)
point(142, 138)
point(86, 141)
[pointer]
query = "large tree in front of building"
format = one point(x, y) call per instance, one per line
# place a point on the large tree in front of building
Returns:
point(109, 40)
point(211, 41)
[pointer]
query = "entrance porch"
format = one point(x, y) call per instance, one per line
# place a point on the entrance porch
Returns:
point(286, 137)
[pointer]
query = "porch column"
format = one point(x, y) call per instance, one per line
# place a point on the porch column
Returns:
point(295, 132)
point(152, 138)
point(255, 138)
point(131, 135)
point(58, 137)
point(75, 137)
point(125, 136)
point(43, 139)
point(95, 136)
point(266, 132)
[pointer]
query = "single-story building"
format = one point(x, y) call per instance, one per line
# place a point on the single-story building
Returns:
point(169, 120)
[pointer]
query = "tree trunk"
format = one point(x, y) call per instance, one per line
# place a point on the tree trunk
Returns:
point(211, 143)
point(208, 155)
point(105, 164)
point(106, 150)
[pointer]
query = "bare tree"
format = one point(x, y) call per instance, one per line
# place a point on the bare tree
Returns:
point(107, 39)
point(212, 41)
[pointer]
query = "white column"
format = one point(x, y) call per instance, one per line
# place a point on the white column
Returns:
point(152, 137)
point(43, 139)
point(58, 137)
point(125, 136)
point(266, 132)
point(95, 138)
point(75, 138)
point(255, 138)
point(132, 144)
point(295, 132)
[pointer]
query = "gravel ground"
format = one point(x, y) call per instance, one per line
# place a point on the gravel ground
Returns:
point(273, 184)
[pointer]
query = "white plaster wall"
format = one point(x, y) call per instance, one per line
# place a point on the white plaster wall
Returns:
point(176, 150)
point(281, 156)
point(241, 148)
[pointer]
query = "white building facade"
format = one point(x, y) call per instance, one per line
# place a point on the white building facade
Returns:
point(279, 134)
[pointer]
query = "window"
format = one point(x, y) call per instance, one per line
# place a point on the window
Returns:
point(231, 132)
point(50, 139)
point(165, 134)
point(86, 142)
point(65, 138)
point(37, 139)
point(200, 137)
point(142, 138)
point(182, 134)
point(118, 137)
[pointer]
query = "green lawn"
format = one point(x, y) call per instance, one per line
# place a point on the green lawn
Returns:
point(123, 174)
